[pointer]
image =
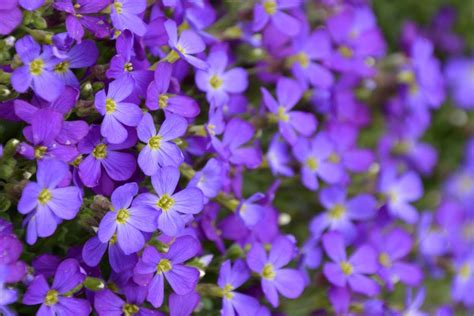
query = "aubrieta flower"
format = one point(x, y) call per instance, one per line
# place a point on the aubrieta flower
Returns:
point(176, 209)
point(219, 83)
point(117, 112)
point(272, 10)
point(160, 150)
point(392, 247)
point(126, 221)
point(351, 271)
point(106, 303)
point(79, 16)
point(48, 201)
point(124, 15)
point(400, 191)
point(230, 278)
point(250, 211)
point(159, 96)
point(10, 16)
point(37, 71)
point(209, 179)
point(154, 267)
point(278, 157)
point(54, 299)
point(186, 46)
point(460, 78)
point(314, 156)
point(274, 278)
point(291, 124)
point(463, 283)
point(11, 269)
point(341, 212)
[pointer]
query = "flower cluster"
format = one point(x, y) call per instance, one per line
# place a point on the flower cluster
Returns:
point(191, 156)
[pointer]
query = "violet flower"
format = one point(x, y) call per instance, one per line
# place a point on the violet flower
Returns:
point(124, 15)
point(10, 16)
point(272, 10)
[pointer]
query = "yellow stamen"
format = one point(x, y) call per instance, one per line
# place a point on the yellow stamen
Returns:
point(110, 106)
point(163, 101)
point(118, 7)
point(40, 151)
point(165, 202)
point(227, 291)
point(62, 67)
point(384, 260)
point(51, 298)
point(37, 67)
point(164, 266)
point(122, 216)
point(337, 211)
point(282, 116)
point(346, 268)
point(130, 309)
point(154, 142)
point(346, 52)
point(268, 272)
point(312, 163)
point(44, 197)
point(100, 151)
point(128, 67)
point(270, 7)
point(215, 82)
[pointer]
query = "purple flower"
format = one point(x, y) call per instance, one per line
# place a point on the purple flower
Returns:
point(10, 16)
point(353, 270)
point(463, 283)
point(183, 305)
point(94, 250)
point(250, 211)
point(314, 155)
point(187, 45)
point(460, 77)
point(219, 83)
point(290, 123)
point(11, 269)
point(106, 303)
point(176, 208)
point(392, 248)
point(414, 304)
point(37, 71)
point(159, 96)
point(78, 17)
point(278, 157)
point(31, 5)
point(341, 212)
point(117, 112)
point(274, 278)
point(126, 221)
point(272, 10)
point(400, 192)
point(160, 150)
point(101, 155)
point(47, 201)
point(52, 298)
point(210, 179)
point(154, 267)
point(124, 15)
point(230, 278)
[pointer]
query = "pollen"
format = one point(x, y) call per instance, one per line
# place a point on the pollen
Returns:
point(346, 52)
point(268, 272)
point(51, 298)
point(122, 216)
point(44, 197)
point(77, 6)
point(110, 106)
point(312, 163)
point(334, 158)
point(61, 67)
point(100, 151)
point(270, 7)
point(303, 59)
point(346, 268)
point(384, 260)
point(165, 202)
point(406, 76)
point(227, 291)
point(130, 309)
point(113, 239)
point(154, 142)
point(215, 82)
point(37, 67)
point(164, 266)
point(118, 7)
point(282, 116)
point(337, 212)
point(163, 101)
point(40, 151)
point(465, 271)
point(128, 67)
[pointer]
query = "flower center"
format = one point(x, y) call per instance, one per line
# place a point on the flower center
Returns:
point(164, 266)
point(118, 7)
point(165, 202)
point(113, 239)
point(384, 260)
point(163, 101)
point(62, 67)
point(346, 268)
point(337, 212)
point(346, 52)
point(270, 7)
point(130, 309)
point(406, 76)
point(312, 163)
point(122, 216)
point(77, 6)
point(334, 158)
point(303, 59)
point(215, 82)
point(37, 67)
point(155, 142)
point(128, 67)
point(40, 151)
point(268, 272)
point(51, 297)
point(110, 106)
point(227, 291)
point(100, 151)
point(44, 197)
point(465, 271)
point(282, 116)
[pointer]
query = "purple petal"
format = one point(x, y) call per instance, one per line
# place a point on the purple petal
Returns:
point(68, 276)
point(364, 260)
point(165, 180)
point(119, 166)
point(93, 251)
point(184, 248)
point(334, 246)
point(362, 284)
point(122, 196)
point(183, 279)
point(188, 201)
point(156, 290)
point(333, 272)
point(289, 283)
point(65, 202)
point(129, 238)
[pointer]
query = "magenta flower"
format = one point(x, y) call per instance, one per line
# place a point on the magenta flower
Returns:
point(48, 201)
point(153, 268)
point(126, 221)
point(274, 278)
point(117, 112)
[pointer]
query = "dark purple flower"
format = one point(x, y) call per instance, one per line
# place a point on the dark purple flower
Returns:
point(154, 267)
